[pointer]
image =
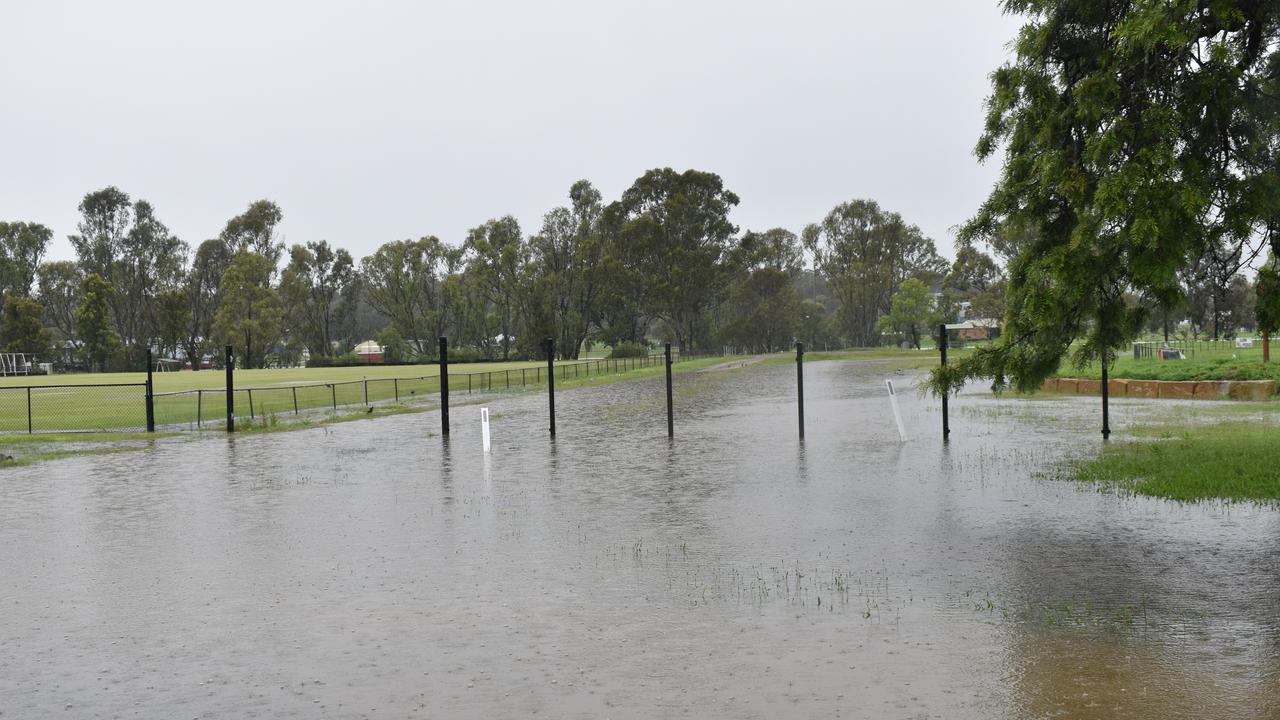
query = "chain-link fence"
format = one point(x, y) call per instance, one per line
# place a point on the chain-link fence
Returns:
point(124, 407)
point(73, 408)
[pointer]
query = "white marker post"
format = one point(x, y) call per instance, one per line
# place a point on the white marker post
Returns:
point(897, 415)
point(484, 427)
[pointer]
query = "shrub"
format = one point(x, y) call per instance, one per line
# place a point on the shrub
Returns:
point(394, 348)
point(629, 350)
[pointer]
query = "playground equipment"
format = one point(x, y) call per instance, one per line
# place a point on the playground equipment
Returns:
point(15, 364)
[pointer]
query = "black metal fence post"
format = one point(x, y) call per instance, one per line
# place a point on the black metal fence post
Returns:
point(671, 418)
point(29, 430)
point(231, 390)
point(942, 348)
point(1106, 416)
point(444, 385)
point(151, 402)
point(551, 382)
point(800, 384)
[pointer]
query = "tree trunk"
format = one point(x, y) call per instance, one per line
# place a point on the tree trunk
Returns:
point(193, 357)
point(1216, 314)
point(1266, 347)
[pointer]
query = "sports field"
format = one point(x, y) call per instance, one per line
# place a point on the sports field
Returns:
point(116, 401)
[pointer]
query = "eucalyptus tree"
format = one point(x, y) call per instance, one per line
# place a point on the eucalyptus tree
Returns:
point(565, 267)
point(318, 287)
point(865, 254)
point(255, 231)
point(763, 312)
point(22, 245)
point(762, 308)
point(249, 310)
point(127, 245)
point(670, 236)
point(497, 256)
point(93, 322)
point(58, 286)
point(105, 217)
point(403, 280)
point(777, 248)
point(976, 278)
point(1136, 136)
point(172, 318)
point(201, 289)
point(151, 261)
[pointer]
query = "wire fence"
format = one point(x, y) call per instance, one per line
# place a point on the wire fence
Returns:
point(73, 408)
point(124, 406)
point(1147, 350)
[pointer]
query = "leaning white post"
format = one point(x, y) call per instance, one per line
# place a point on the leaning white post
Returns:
point(484, 427)
point(897, 415)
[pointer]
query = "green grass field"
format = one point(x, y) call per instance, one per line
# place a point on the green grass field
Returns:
point(106, 401)
point(1204, 362)
point(1230, 461)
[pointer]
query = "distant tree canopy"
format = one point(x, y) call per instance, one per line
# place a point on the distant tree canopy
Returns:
point(1267, 302)
point(661, 263)
point(21, 247)
point(1137, 138)
point(249, 312)
point(21, 327)
point(913, 311)
point(674, 232)
point(865, 254)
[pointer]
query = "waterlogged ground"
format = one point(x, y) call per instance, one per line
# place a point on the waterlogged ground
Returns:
point(372, 569)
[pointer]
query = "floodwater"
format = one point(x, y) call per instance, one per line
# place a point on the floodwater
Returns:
point(373, 569)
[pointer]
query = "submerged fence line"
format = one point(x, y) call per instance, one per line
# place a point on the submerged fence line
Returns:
point(133, 407)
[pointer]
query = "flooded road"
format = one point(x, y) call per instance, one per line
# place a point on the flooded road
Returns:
point(374, 569)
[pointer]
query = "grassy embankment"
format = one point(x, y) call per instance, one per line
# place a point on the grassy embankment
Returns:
point(1202, 363)
point(892, 358)
point(1208, 455)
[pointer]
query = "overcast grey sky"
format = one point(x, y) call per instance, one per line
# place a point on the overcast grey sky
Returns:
point(377, 121)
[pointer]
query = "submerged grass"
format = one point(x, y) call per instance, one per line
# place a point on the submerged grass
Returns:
point(893, 358)
point(23, 449)
point(8, 461)
point(1236, 461)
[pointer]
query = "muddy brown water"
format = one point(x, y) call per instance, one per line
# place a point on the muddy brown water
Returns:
point(372, 569)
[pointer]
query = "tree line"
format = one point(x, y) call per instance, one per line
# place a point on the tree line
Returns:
point(662, 262)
